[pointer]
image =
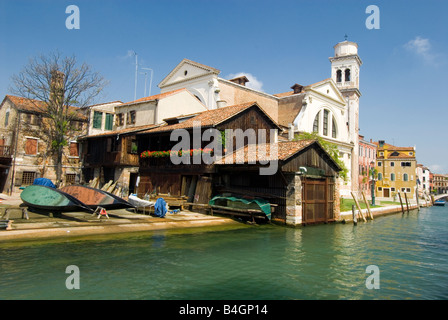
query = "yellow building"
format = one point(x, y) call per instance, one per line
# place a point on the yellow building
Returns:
point(396, 167)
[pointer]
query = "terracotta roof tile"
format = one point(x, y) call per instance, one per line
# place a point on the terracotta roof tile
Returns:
point(208, 118)
point(264, 152)
point(32, 105)
point(157, 96)
point(122, 131)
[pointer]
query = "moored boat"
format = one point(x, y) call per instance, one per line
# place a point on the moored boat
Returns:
point(43, 197)
point(94, 198)
point(440, 202)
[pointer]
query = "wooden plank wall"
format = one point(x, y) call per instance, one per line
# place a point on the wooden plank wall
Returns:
point(311, 157)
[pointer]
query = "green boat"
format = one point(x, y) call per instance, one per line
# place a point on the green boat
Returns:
point(47, 198)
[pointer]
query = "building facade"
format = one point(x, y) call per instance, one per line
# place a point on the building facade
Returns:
point(396, 171)
point(367, 162)
point(24, 147)
point(440, 183)
point(423, 181)
point(329, 107)
point(110, 150)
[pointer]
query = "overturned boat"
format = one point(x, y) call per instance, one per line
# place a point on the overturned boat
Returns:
point(47, 198)
point(94, 198)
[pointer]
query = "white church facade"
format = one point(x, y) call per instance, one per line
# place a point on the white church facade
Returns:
point(329, 107)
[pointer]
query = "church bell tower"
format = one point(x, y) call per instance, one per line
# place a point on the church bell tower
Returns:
point(345, 66)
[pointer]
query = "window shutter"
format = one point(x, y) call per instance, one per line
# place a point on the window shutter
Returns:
point(31, 146)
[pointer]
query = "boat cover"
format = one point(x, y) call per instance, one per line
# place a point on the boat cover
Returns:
point(160, 208)
point(44, 182)
point(262, 204)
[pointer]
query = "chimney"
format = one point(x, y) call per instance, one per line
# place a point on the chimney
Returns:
point(297, 88)
point(221, 104)
point(291, 132)
point(240, 80)
point(57, 86)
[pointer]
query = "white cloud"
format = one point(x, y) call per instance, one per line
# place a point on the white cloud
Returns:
point(422, 47)
point(253, 83)
point(435, 168)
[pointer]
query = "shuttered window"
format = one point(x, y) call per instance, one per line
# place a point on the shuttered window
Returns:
point(31, 146)
point(109, 121)
point(73, 149)
point(97, 119)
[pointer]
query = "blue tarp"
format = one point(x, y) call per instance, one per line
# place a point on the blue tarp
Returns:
point(160, 208)
point(44, 182)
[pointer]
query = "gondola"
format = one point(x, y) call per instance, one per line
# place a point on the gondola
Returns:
point(47, 198)
point(94, 198)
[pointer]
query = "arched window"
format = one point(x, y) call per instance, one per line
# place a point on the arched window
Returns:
point(325, 126)
point(380, 176)
point(392, 177)
point(316, 123)
point(339, 76)
point(405, 177)
point(347, 74)
point(334, 131)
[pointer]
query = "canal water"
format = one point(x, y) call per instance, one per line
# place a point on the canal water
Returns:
point(409, 255)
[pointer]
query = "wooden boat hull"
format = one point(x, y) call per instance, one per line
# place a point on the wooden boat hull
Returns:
point(43, 197)
point(94, 198)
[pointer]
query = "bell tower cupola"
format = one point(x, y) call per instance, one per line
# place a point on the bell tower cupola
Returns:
point(345, 66)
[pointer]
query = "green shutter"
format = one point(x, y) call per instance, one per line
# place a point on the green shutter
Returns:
point(97, 119)
point(109, 121)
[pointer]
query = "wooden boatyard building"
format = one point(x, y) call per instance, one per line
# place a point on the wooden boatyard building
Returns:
point(302, 189)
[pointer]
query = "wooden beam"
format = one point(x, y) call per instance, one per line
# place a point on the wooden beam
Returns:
point(359, 208)
point(367, 205)
point(401, 202)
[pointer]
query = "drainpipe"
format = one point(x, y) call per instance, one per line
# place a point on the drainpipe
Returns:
point(155, 111)
point(15, 152)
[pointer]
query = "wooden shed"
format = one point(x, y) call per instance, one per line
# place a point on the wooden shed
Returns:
point(304, 187)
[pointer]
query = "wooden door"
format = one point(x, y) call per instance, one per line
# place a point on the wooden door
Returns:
point(317, 201)
point(386, 192)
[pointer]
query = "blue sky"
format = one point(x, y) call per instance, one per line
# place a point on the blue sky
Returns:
point(403, 78)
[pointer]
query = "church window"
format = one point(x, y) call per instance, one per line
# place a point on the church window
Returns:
point(325, 126)
point(185, 72)
point(392, 177)
point(347, 74)
point(405, 177)
point(333, 128)
point(338, 76)
point(380, 176)
point(316, 123)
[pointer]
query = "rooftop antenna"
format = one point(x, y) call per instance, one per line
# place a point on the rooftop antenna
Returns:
point(150, 81)
point(136, 72)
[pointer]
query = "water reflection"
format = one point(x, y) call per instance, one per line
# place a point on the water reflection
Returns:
point(262, 262)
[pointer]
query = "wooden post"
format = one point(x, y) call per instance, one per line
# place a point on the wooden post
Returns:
point(367, 205)
point(416, 197)
point(355, 219)
point(401, 202)
point(359, 207)
point(407, 204)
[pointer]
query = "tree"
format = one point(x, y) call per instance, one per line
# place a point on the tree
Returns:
point(60, 89)
point(331, 149)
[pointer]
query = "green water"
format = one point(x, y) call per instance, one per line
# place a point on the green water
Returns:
point(261, 262)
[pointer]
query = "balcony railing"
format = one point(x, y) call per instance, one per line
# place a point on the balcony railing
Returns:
point(5, 151)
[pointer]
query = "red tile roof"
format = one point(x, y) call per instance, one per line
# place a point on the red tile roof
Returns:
point(208, 118)
point(121, 131)
point(265, 152)
point(32, 105)
point(157, 96)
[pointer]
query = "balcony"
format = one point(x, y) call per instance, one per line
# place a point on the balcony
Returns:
point(5, 151)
